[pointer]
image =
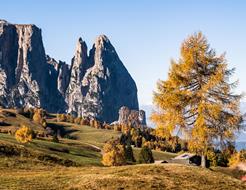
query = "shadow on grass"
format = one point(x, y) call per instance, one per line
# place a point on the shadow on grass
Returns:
point(63, 131)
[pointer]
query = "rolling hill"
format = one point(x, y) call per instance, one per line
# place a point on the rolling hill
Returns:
point(75, 163)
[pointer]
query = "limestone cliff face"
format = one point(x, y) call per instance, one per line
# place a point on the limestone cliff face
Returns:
point(60, 73)
point(24, 69)
point(100, 84)
point(95, 85)
point(135, 117)
point(74, 93)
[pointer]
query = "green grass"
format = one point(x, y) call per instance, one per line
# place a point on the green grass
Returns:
point(79, 153)
point(87, 134)
point(16, 122)
point(158, 155)
point(30, 172)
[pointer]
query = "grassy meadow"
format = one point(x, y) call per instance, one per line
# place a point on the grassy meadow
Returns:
point(75, 163)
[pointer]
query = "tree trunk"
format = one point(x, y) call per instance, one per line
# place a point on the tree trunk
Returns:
point(203, 161)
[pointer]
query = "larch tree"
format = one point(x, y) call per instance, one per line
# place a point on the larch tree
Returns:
point(197, 98)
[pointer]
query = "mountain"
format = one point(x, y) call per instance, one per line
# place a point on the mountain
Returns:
point(24, 73)
point(95, 84)
point(148, 110)
point(99, 84)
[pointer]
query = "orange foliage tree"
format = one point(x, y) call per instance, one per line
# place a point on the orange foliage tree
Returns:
point(197, 97)
point(24, 135)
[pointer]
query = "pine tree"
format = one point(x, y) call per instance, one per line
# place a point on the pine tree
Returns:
point(145, 155)
point(197, 97)
point(129, 153)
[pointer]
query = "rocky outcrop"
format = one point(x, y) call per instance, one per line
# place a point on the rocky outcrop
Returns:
point(131, 117)
point(60, 72)
point(23, 67)
point(100, 84)
point(74, 93)
point(95, 85)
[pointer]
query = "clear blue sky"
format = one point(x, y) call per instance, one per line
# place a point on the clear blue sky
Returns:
point(146, 33)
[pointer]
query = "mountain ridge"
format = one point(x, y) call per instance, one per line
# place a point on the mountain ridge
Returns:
point(96, 84)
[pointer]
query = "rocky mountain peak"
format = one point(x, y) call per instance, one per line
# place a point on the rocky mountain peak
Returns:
point(94, 85)
point(101, 40)
point(3, 22)
point(80, 53)
point(24, 69)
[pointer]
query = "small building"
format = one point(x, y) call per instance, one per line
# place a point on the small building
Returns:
point(187, 158)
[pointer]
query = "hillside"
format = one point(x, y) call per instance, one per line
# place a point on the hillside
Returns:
point(166, 176)
point(43, 164)
point(79, 144)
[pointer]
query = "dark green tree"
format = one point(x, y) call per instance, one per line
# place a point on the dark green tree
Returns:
point(145, 155)
point(129, 153)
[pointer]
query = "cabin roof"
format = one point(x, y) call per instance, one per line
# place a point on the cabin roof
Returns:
point(184, 156)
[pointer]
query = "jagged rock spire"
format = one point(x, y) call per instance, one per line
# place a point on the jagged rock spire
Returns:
point(96, 85)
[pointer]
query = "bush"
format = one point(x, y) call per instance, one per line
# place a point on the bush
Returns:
point(97, 124)
point(28, 112)
point(70, 118)
point(107, 126)
point(20, 111)
point(24, 135)
point(145, 155)
point(114, 154)
point(117, 127)
point(38, 116)
point(85, 121)
point(61, 118)
point(129, 153)
point(44, 123)
point(212, 157)
point(77, 120)
point(237, 157)
point(55, 139)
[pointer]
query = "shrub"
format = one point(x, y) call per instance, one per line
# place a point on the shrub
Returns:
point(55, 139)
point(107, 126)
point(114, 154)
point(24, 135)
point(129, 153)
point(117, 127)
point(97, 124)
point(212, 157)
point(20, 111)
point(237, 157)
point(77, 120)
point(92, 122)
point(44, 123)
point(70, 118)
point(28, 112)
point(145, 155)
point(85, 121)
point(38, 116)
point(61, 118)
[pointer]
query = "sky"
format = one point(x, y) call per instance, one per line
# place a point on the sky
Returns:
point(146, 34)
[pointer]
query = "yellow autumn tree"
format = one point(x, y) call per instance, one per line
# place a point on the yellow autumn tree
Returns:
point(197, 97)
point(24, 135)
point(113, 154)
point(37, 117)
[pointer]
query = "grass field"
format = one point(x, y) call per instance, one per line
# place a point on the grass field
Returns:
point(79, 153)
point(158, 155)
point(87, 134)
point(15, 120)
point(32, 174)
